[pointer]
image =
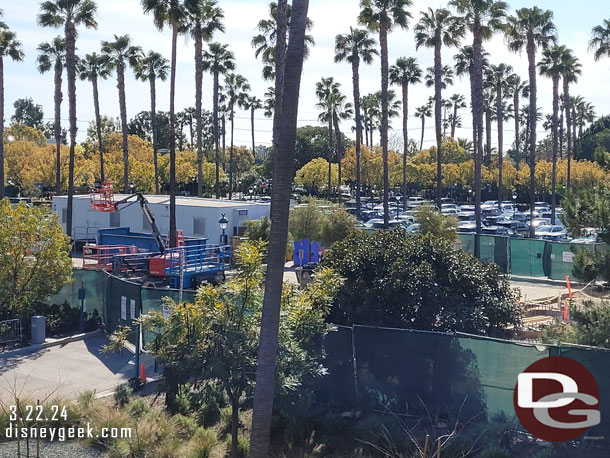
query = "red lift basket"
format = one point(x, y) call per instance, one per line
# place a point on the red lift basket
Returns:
point(102, 198)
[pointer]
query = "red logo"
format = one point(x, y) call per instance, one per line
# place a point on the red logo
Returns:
point(557, 399)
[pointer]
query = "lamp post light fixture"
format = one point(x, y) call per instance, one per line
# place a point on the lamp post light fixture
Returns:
point(224, 223)
point(514, 204)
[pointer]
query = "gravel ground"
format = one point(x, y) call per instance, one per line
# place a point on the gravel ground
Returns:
point(50, 450)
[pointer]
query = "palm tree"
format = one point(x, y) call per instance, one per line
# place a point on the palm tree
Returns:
point(92, 68)
point(406, 71)
point(327, 91)
point(52, 55)
point(435, 29)
point(498, 76)
point(69, 14)
point(253, 103)
point(531, 28)
point(382, 16)
point(600, 40)
point(174, 14)
point(551, 66)
point(354, 47)
point(120, 53)
point(518, 89)
point(282, 187)
point(204, 19)
point(343, 111)
point(236, 88)
point(269, 103)
point(571, 72)
point(265, 42)
point(458, 101)
point(151, 67)
point(370, 112)
point(483, 18)
point(218, 60)
point(423, 112)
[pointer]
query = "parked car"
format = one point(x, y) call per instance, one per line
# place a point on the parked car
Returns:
point(414, 229)
point(466, 227)
point(496, 230)
point(548, 232)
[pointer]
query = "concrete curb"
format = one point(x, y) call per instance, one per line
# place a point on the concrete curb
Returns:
point(53, 343)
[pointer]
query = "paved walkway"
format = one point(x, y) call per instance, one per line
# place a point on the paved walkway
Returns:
point(67, 370)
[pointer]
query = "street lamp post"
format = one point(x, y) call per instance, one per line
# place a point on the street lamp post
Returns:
point(514, 204)
point(224, 223)
point(81, 296)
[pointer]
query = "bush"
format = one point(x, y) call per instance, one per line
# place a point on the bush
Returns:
point(495, 452)
point(202, 443)
point(121, 395)
point(421, 282)
point(243, 445)
point(318, 224)
point(138, 408)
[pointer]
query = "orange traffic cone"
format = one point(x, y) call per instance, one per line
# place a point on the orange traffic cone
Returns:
point(142, 374)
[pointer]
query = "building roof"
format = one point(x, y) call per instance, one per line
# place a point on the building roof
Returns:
point(183, 201)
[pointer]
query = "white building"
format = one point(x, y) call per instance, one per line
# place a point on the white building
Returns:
point(196, 217)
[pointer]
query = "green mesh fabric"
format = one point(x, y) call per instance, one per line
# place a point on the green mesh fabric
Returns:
point(526, 257)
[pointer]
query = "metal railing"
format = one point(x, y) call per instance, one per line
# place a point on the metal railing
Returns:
point(197, 259)
point(10, 332)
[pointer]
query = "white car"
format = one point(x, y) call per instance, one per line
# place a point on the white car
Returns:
point(549, 232)
point(467, 227)
point(450, 211)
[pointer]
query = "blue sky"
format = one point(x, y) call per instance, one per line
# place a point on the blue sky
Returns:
point(574, 22)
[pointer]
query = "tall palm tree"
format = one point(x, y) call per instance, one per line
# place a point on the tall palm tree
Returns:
point(327, 92)
point(120, 53)
point(551, 66)
point(482, 18)
point(382, 16)
point(600, 40)
point(253, 103)
point(93, 67)
point(343, 111)
point(70, 14)
point(458, 101)
point(173, 14)
point(423, 112)
point(531, 28)
point(518, 89)
point(265, 42)
point(204, 19)
point(218, 60)
point(571, 72)
point(354, 47)
point(152, 67)
point(52, 55)
point(498, 76)
point(435, 29)
point(282, 187)
point(237, 88)
point(370, 112)
point(406, 71)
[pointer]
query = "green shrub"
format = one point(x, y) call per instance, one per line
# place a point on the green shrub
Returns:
point(202, 443)
point(186, 426)
point(226, 418)
point(243, 445)
point(138, 408)
point(121, 395)
point(209, 413)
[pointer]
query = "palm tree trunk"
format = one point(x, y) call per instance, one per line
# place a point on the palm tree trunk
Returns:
point(383, 41)
point(561, 130)
point(223, 123)
point(356, 87)
point(566, 96)
point(282, 181)
point(531, 55)
point(98, 126)
point(172, 142)
point(234, 425)
point(555, 145)
point(517, 126)
point(70, 32)
point(2, 191)
point(405, 139)
point(500, 110)
point(330, 155)
point(423, 129)
point(58, 99)
point(123, 107)
point(153, 120)
point(252, 128)
point(438, 106)
point(231, 153)
point(216, 134)
point(454, 121)
point(477, 102)
point(198, 105)
point(488, 135)
point(339, 153)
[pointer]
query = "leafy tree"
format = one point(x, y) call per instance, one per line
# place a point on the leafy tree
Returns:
point(314, 175)
point(34, 257)
point(437, 224)
point(419, 282)
point(336, 225)
point(588, 208)
point(312, 143)
point(27, 113)
point(216, 338)
point(21, 133)
point(590, 326)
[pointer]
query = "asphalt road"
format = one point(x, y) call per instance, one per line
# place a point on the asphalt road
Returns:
point(65, 371)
